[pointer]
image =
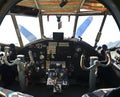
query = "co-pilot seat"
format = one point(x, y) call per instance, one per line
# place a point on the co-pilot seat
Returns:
point(107, 92)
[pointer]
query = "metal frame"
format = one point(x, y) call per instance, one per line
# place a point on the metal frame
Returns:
point(17, 30)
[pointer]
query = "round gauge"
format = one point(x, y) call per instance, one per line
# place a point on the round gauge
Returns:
point(42, 66)
point(39, 45)
point(57, 64)
point(78, 49)
point(42, 57)
point(63, 66)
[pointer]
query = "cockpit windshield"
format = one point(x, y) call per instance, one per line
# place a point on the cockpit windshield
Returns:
point(63, 24)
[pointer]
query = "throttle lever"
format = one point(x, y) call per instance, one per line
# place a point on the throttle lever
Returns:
point(31, 57)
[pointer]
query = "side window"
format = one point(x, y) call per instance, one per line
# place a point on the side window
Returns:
point(29, 28)
point(109, 33)
point(7, 30)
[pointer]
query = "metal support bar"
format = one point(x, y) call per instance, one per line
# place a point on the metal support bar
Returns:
point(17, 30)
point(41, 25)
point(21, 72)
point(100, 30)
point(82, 13)
point(40, 18)
point(92, 74)
point(75, 25)
point(76, 18)
point(103, 22)
point(36, 4)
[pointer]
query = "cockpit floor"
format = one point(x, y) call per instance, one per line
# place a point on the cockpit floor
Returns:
point(38, 90)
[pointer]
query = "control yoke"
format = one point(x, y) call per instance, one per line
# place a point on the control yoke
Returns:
point(96, 61)
point(20, 62)
point(16, 61)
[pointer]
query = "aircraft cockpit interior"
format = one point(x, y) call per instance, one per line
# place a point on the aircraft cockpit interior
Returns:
point(59, 65)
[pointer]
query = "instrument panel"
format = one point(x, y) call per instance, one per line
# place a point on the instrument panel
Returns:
point(52, 50)
point(46, 51)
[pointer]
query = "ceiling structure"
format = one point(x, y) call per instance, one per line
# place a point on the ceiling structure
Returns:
point(58, 6)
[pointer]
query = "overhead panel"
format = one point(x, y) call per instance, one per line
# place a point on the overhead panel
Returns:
point(67, 5)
